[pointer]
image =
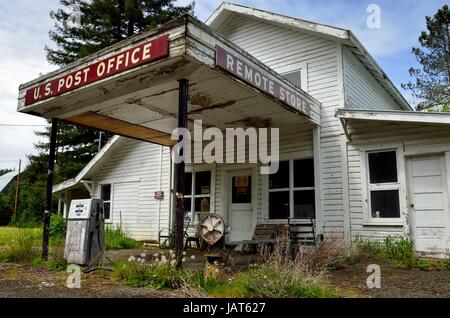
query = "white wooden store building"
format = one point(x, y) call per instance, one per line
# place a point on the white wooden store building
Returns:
point(355, 156)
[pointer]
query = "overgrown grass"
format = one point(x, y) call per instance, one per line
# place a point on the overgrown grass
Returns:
point(21, 247)
point(9, 234)
point(300, 277)
point(116, 239)
point(399, 250)
point(159, 274)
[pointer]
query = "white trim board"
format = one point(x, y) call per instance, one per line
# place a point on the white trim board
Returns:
point(394, 116)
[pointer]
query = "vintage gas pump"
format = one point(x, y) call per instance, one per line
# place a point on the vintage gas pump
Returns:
point(85, 232)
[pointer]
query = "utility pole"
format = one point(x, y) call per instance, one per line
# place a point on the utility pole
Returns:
point(183, 96)
point(48, 197)
point(16, 201)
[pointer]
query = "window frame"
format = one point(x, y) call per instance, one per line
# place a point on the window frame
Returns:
point(192, 196)
point(291, 190)
point(303, 68)
point(110, 199)
point(368, 187)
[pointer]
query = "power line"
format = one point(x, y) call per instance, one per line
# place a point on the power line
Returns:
point(22, 125)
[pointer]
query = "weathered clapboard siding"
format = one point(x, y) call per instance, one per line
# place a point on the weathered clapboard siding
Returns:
point(136, 170)
point(283, 49)
point(362, 91)
point(415, 138)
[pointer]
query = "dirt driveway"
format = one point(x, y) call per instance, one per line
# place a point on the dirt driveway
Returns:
point(20, 281)
point(395, 282)
point(27, 281)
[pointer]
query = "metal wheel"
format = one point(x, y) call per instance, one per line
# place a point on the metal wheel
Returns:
point(211, 228)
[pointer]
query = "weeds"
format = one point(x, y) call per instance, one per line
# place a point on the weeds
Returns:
point(160, 274)
point(116, 239)
point(399, 250)
point(21, 248)
point(300, 276)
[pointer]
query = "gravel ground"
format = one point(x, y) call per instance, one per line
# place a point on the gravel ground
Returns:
point(20, 281)
point(395, 282)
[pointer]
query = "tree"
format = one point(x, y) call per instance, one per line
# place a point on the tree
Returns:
point(83, 27)
point(432, 81)
point(101, 23)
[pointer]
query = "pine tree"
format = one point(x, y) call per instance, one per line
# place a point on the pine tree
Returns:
point(83, 27)
point(432, 81)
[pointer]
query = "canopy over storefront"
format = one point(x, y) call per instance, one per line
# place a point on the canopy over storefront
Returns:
point(150, 84)
point(131, 88)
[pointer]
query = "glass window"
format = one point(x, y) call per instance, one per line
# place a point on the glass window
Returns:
point(304, 173)
point(280, 179)
point(385, 204)
point(294, 77)
point(105, 195)
point(384, 188)
point(241, 189)
point(383, 167)
point(199, 201)
point(203, 182)
point(304, 204)
point(279, 205)
point(202, 205)
point(106, 192)
point(188, 183)
point(299, 189)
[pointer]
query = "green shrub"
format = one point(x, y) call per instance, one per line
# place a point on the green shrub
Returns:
point(27, 219)
point(116, 239)
point(58, 226)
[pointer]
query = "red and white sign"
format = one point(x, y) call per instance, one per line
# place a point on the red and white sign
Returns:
point(140, 54)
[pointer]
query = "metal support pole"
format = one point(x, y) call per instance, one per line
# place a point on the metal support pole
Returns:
point(48, 196)
point(183, 96)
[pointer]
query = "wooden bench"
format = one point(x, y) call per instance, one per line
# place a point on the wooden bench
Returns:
point(264, 238)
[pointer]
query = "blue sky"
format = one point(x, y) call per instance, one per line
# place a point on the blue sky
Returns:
point(24, 26)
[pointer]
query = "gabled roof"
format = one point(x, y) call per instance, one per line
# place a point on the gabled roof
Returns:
point(90, 167)
point(6, 178)
point(344, 36)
